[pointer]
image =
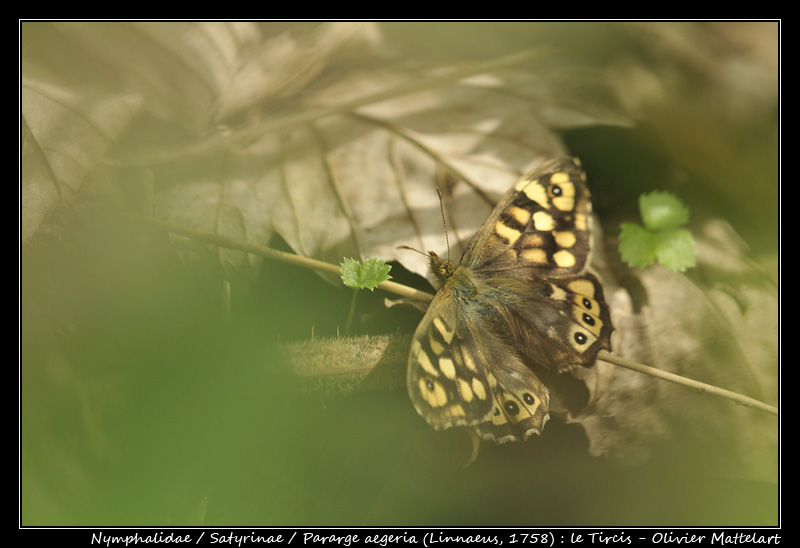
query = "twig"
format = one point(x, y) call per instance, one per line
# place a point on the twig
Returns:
point(269, 253)
point(700, 386)
point(411, 293)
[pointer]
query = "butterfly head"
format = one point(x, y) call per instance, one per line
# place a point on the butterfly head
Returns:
point(442, 268)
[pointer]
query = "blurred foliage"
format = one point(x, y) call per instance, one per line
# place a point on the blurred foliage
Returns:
point(146, 398)
point(662, 239)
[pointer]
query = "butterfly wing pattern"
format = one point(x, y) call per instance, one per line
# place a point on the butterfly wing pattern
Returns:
point(521, 298)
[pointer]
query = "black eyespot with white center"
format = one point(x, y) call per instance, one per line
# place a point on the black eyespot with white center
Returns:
point(556, 190)
point(528, 398)
point(511, 408)
point(587, 304)
point(587, 319)
point(581, 338)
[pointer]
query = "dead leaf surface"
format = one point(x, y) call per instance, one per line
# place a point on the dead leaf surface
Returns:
point(338, 158)
point(718, 325)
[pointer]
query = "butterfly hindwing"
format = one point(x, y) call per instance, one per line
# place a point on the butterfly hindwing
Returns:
point(520, 298)
point(555, 323)
point(589, 329)
point(521, 404)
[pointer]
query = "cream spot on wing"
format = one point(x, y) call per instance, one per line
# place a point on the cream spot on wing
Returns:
point(564, 204)
point(521, 183)
point(564, 258)
point(479, 389)
point(433, 393)
point(532, 239)
point(534, 255)
point(543, 221)
point(558, 293)
point(456, 412)
point(444, 330)
point(447, 368)
point(565, 239)
point(536, 192)
point(582, 287)
point(521, 215)
point(425, 362)
point(435, 345)
point(498, 417)
point(506, 232)
point(581, 222)
point(469, 361)
point(566, 200)
point(465, 390)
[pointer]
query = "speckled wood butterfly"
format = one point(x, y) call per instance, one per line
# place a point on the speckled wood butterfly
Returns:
point(520, 298)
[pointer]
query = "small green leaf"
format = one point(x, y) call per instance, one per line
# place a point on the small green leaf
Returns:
point(637, 246)
point(364, 276)
point(662, 239)
point(350, 272)
point(676, 249)
point(375, 272)
point(661, 210)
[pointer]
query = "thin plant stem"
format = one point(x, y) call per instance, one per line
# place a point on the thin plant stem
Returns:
point(411, 293)
point(691, 383)
point(349, 323)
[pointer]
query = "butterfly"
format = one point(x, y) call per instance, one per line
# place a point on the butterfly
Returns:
point(521, 298)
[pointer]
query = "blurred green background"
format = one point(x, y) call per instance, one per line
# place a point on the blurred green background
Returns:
point(145, 399)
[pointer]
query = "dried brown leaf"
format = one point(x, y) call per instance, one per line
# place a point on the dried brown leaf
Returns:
point(69, 126)
point(182, 69)
point(718, 325)
point(341, 159)
point(362, 182)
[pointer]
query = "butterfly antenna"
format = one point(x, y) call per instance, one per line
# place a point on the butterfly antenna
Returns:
point(444, 222)
point(411, 249)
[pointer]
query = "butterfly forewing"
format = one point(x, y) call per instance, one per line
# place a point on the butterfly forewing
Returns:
point(446, 379)
point(520, 298)
point(543, 224)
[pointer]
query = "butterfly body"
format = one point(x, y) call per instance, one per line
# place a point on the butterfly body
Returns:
point(520, 298)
